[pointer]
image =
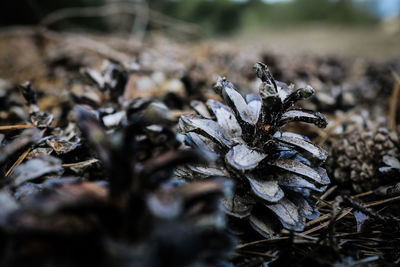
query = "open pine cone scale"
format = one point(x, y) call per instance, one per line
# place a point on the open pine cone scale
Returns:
point(274, 171)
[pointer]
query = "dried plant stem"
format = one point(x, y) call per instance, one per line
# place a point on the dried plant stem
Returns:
point(361, 207)
point(322, 203)
point(326, 194)
point(380, 202)
point(300, 235)
point(19, 161)
point(393, 102)
point(306, 236)
point(325, 224)
point(15, 127)
point(261, 241)
point(319, 219)
point(363, 194)
point(90, 161)
point(347, 234)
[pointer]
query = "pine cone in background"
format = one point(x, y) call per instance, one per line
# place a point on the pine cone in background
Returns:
point(126, 210)
point(329, 74)
point(11, 112)
point(355, 159)
point(375, 86)
point(274, 171)
point(342, 82)
point(218, 60)
point(136, 217)
point(110, 104)
point(58, 133)
point(114, 84)
point(379, 77)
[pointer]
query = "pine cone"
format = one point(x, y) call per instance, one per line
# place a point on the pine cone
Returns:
point(355, 158)
point(274, 171)
point(137, 217)
point(380, 76)
point(130, 213)
point(329, 74)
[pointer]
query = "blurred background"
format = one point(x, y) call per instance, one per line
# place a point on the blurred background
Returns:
point(109, 55)
point(214, 17)
point(357, 27)
point(206, 38)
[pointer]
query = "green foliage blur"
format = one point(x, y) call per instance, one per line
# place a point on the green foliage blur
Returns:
point(215, 17)
point(229, 16)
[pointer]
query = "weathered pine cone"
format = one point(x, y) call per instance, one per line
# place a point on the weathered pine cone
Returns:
point(125, 211)
point(274, 171)
point(355, 159)
point(135, 217)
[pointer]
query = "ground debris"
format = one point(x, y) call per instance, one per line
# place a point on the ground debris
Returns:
point(89, 153)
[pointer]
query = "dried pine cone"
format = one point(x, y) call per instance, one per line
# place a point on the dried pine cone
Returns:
point(137, 217)
point(112, 114)
point(356, 158)
point(126, 211)
point(274, 171)
point(380, 77)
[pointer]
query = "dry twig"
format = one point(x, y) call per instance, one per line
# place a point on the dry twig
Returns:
point(393, 102)
point(18, 161)
point(15, 127)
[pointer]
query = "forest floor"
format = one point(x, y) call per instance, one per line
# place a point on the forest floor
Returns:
point(356, 77)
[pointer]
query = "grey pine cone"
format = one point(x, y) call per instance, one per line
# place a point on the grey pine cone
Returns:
point(356, 158)
point(275, 172)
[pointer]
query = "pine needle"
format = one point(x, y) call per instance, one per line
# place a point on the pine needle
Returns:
point(15, 127)
point(19, 161)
